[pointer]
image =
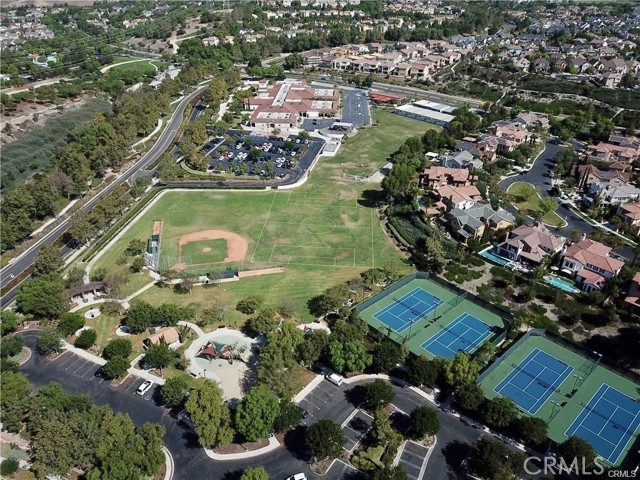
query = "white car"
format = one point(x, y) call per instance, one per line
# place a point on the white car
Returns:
point(297, 476)
point(144, 387)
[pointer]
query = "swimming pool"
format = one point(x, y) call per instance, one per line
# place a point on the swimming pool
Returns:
point(492, 257)
point(561, 284)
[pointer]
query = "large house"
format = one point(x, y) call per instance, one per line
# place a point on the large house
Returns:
point(530, 243)
point(589, 262)
point(474, 221)
point(633, 298)
point(463, 159)
point(612, 153)
point(436, 176)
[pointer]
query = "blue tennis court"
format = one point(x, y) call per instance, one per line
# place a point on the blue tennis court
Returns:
point(533, 381)
point(608, 422)
point(465, 333)
point(408, 309)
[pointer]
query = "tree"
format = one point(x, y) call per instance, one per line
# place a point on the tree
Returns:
point(500, 412)
point(460, 370)
point(331, 300)
point(118, 347)
point(69, 323)
point(49, 341)
point(115, 367)
point(210, 414)
point(288, 417)
point(422, 371)
point(43, 297)
point(255, 473)
point(250, 305)
point(11, 346)
point(378, 394)
point(469, 397)
point(159, 356)
point(135, 247)
point(313, 347)
point(175, 390)
point(532, 430)
point(47, 261)
point(575, 447)
point(348, 356)
point(389, 473)
point(548, 204)
point(86, 339)
point(171, 314)
point(9, 322)
point(423, 421)
point(264, 322)
point(396, 183)
point(434, 253)
point(493, 460)
point(386, 355)
point(137, 265)
point(325, 439)
point(140, 317)
point(257, 413)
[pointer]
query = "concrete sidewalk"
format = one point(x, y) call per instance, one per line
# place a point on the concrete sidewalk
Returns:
point(273, 444)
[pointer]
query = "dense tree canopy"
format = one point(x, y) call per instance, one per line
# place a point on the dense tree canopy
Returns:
point(325, 439)
point(257, 413)
point(43, 297)
point(210, 414)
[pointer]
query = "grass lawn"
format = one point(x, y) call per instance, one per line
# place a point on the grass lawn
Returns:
point(531, 205)
point(369, 150)
point(205, 251)
point(105, 326)
point(323, 233)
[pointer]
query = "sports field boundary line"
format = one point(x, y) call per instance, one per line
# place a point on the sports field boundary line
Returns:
point(264, 225)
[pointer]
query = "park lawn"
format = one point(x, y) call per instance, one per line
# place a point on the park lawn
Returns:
point(205, 251)
point(297, 283)
point(143, 67)
point(323, 232)
point(370, 148)
point(106, 326)
point(532, 205)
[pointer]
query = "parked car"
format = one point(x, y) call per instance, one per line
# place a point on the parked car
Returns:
point(144, 387)
point(297, 476)
point(334, 378)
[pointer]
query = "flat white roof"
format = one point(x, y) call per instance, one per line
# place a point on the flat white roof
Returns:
point(437, 107)
point(274, 115)
point(424, 113)
point(322, 104)
point(323, 92)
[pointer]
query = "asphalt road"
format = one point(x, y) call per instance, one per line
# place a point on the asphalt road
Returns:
point(76, 374)
point(25, 261)
point(539, 176)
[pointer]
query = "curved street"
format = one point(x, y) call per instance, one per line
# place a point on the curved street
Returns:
point(24, 261)
point(538, 175)
point(77, 374)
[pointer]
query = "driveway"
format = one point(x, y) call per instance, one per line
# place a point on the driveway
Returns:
point(539, 176)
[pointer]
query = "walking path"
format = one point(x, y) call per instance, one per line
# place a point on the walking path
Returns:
point(273, 444)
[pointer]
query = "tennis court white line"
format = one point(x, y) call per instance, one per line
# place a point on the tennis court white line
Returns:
point(590, 410)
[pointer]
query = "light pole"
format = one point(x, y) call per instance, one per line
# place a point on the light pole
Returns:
point(575, 384)
point(553, 409)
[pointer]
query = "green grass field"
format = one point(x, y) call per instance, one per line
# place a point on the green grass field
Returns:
point(205, 251)
point(322, 232)
point(532, 204)
point(430, 325)
point(572, 406)
point(143, 67)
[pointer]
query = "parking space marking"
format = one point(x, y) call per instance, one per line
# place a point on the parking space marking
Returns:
point(84, 364)
point(92, 368)
point(63, 359)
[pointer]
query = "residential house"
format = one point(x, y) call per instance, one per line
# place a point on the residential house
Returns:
point(463, 159)
point(541, 65)
point(633, 297)
point(532, 120)
point(479, 218)
point(530, 243)
point(461, 197)
point(436, 176)
point(587, 175)
point(610, 153)
point(614, 195)
point(589, 262)
point(630, 213)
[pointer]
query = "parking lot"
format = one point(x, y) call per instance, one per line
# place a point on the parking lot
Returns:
point(413, 460)
point(326, 401)
point(88, 371)
point(266, 157)
point(355, 428)
point(355, 107)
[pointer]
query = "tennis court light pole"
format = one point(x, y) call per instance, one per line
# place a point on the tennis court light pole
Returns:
point(578, 379)
point(553, 408)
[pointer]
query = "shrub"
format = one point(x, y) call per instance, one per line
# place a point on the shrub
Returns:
point(118, 347)
point(86, 339)
point(115, 367)
point(9, 466)
point(69, 323)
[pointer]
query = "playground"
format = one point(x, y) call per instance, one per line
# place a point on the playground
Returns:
point(226, 356)
point(430, 318)
point(573, 392)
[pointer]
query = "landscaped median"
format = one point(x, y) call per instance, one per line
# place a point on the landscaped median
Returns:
point(525, 197)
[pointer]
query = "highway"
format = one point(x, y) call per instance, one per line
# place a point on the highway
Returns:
point(23, 262)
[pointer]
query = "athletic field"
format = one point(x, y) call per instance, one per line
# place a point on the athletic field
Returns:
point(430, 319)
point(574, 393)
